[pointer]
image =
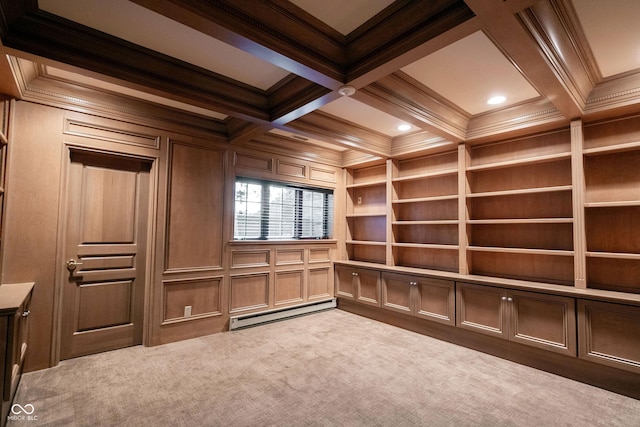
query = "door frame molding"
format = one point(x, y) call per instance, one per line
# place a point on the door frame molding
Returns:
point(88, 145)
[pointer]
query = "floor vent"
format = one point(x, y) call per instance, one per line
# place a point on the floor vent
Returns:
point(247, 320)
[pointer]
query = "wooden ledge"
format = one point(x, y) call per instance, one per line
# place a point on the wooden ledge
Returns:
point(549, 288)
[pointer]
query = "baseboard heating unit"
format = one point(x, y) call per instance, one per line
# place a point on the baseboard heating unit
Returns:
point(252, 319)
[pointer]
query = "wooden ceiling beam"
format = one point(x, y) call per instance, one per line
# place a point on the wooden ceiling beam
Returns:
point(38, 33)
point(276, 31)
point(400, 28)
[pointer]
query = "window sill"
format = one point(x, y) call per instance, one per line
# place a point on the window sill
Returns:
point(283, 242)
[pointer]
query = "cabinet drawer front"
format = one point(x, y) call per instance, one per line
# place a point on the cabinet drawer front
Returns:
point(609, 334)
point(545, 321)
point(481, 309)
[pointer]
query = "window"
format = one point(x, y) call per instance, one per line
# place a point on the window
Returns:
point(271, 210)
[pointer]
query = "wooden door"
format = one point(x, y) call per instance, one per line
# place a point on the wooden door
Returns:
point(107, 207)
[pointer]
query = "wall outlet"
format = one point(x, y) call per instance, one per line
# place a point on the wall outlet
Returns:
point(187, 311)
point(359, 200)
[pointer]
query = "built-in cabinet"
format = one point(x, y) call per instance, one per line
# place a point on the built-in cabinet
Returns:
point(609, 334)
point(358, 284)
point(561, 207)
point(536, 319)
point(428, 298)
point(540, 233)
point(15, 300)
point(568, 331)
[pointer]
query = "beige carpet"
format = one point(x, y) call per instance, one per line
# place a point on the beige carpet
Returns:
point(326, 369)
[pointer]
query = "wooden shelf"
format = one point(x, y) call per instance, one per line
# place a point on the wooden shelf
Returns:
point(616, 148)
point(444, 172)
point(522, 221)
point(521, 250)
point(365, 243)
point(425, 246)
point(367, 184)
point(522, 191)
point(427, 222)
point(366, 215)
point(617, 204)
point(520, 162)
point(613, 255)
point(427, 199)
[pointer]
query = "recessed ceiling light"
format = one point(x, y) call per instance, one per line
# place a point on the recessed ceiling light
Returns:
point(404, 127)
point(496, 100)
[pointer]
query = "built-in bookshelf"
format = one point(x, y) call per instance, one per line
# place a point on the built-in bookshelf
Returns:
point(612, 204)
point(519, 209)
point(425, 212)
point(367, 213)
point(560, 207)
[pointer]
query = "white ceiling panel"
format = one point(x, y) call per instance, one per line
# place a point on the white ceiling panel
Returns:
point(343, 16)
point(131, 22)
point(469, 72)
point(362, 114)
point(611, 28)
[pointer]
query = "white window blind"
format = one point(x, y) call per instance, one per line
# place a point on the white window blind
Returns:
point(272, 210)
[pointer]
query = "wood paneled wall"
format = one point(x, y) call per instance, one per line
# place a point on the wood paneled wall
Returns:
point(197, 275)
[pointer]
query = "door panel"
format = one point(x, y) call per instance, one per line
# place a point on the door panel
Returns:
point(368, 283)
point(436, 300)
point(107, 211)
point(482, 309)
point(102, 305)
point(396, 292)
point(345, 282)
point(545, 321)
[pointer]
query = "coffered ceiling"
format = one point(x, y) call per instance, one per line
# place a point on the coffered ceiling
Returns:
point(270, 72)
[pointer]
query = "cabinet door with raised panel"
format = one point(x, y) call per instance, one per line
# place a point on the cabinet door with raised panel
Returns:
point(609, 334)
point(435, 300)
point(345, 282)
point(396, 292)
point(541, 320)
point(368, 286)
point(482, 309)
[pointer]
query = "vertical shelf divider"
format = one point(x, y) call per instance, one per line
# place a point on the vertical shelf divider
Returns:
point(578, 197)
point(463, 213)
point(392, 171)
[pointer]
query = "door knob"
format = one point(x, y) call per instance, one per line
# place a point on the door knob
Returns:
point(72, 264)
